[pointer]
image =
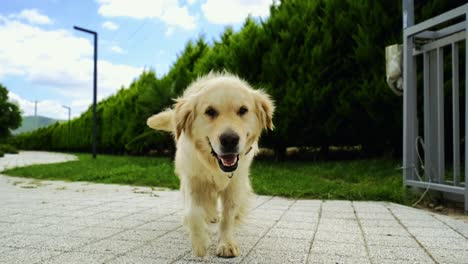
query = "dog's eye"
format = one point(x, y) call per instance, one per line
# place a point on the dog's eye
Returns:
point(243, 110)
point(211, 112)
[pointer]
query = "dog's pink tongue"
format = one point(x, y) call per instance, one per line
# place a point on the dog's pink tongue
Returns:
point(228, 160)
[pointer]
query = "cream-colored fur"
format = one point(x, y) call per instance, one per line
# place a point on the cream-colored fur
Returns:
point(202, 180)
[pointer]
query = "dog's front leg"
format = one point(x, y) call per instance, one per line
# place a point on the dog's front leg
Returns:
point(235, 202)
point(211, 206)
point(194, 219)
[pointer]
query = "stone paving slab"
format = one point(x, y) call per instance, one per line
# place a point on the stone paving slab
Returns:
point(79, 222)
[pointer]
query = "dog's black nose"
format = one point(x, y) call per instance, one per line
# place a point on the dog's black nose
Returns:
point(229, 141)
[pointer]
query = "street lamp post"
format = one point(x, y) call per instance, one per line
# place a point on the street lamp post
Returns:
point(94, 84)
point(35, 114)
point(69, 131)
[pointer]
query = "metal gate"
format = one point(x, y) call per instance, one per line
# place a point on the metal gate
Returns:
point(428, 40)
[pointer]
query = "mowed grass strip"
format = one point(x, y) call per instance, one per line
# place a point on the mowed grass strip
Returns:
point(378, 179)
point(141, 171)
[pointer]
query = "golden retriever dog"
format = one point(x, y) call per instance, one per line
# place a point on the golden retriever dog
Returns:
point(216, 124)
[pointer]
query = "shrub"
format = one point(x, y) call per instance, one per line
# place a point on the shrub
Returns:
point(151, 140)
point(5, 148)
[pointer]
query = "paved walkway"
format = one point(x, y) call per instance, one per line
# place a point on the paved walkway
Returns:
point(26, 158)
point(62, 222)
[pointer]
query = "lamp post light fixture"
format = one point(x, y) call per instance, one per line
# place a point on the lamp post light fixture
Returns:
point(69, 111)
point(95, 34)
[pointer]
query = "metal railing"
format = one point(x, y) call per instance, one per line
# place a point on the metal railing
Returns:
point(429, 39)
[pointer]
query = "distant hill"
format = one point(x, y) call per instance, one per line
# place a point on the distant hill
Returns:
point(29, 123)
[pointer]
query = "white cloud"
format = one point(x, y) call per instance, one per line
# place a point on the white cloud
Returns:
point(191, 2)
point(37, 53)
point(56, 60)
point(114, 76)
point(234, 11)
point(33, 16)
point(81, 103)
point(178, 16)
point(169, 11)
point(117, 49)
point(110, 26)
point(169, 31)
point(49, 108)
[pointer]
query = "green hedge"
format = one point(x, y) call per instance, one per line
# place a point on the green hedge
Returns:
point(322, 61)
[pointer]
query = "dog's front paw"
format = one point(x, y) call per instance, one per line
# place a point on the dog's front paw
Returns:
point(200, 245)
point(228, 249)
point(199, 250)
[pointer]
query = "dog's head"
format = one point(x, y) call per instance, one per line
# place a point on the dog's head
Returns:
point(223, 119)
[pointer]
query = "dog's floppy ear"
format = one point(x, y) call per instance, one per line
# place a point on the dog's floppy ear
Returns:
point(184, 116)
point(265, 108)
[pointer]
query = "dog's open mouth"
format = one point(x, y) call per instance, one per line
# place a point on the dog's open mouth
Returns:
point(226, 162)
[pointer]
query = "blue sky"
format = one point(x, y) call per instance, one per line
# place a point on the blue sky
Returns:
point(42, 58)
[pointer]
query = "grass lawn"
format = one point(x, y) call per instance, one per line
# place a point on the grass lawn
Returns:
point(353, 180)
